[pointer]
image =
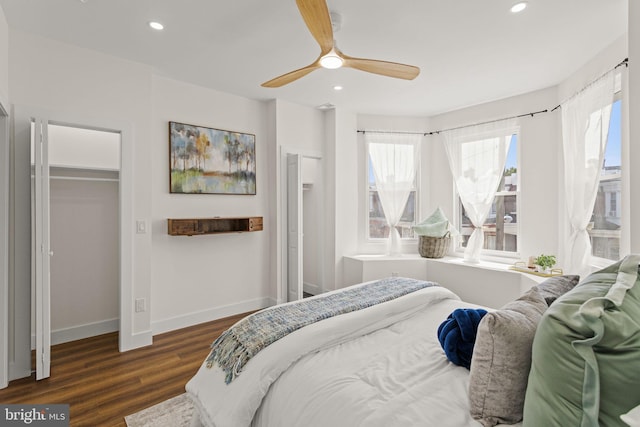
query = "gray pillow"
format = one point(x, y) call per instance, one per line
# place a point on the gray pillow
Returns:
point(555, 286)
point(502, 359)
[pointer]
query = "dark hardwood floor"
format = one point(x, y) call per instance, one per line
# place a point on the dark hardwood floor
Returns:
point(102, 385)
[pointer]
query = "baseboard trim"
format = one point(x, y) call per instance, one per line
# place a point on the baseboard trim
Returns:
point(312, 288)
point(191, 319)
point(136, 340)
point(73, 333)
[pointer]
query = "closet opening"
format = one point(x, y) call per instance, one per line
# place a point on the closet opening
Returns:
point(302, 240)
point(84, 232)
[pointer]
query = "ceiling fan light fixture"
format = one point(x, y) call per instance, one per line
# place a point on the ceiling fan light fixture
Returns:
point(331, 61)
point(322, 24)
point(519, 7)
point(156, 25)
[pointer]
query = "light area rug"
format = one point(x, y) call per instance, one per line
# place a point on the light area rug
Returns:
point(175, 412)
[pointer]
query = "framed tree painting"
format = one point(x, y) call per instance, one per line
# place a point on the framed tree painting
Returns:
point(211, 161)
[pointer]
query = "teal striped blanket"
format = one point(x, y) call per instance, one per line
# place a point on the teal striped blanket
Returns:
point(238, 344)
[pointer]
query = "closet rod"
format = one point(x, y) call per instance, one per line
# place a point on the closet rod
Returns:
point(82, 178)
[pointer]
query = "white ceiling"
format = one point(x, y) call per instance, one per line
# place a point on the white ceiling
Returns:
point(469, 51)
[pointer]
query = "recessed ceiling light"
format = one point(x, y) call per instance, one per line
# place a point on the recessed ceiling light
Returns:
point(326, 106)
point(337, 87)
point(519, 7)
point(156, 25)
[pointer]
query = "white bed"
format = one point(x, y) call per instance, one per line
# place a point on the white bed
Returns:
point(379, 366)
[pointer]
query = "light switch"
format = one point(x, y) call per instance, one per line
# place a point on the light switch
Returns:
point(141, 226)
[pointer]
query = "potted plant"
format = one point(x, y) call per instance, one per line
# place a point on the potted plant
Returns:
point(544, 263)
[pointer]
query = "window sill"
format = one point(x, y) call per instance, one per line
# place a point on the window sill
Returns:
point(502, 266)
point(385, 257)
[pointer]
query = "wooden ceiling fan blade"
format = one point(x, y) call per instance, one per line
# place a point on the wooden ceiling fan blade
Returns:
point(384, 68)
point(292, 76)
point(316, 15)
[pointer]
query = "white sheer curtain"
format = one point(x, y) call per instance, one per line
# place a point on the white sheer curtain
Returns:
point(477, 155)
point(585, 126)
point(394, 160)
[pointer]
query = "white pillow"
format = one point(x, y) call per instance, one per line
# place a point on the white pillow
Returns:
point(632, 418)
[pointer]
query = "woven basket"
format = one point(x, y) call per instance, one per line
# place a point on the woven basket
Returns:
point(434, 247)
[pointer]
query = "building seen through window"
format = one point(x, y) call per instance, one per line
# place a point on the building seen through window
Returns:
point(378, 227)
point(604, 228)
point(501, 226)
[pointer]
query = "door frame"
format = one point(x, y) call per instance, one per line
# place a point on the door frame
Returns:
point(41, 246)
point(283, 225)
point(4, 243)
point(21, 120)
point(295, 220)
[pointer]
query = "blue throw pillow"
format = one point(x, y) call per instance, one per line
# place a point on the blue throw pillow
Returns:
point(457, 334)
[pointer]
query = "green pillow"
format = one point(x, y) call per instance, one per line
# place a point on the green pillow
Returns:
point(436, 225)
point(586, 352)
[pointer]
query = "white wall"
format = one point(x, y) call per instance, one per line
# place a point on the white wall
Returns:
point(593, 69)
point(539, 144)
point(313, 225)
point(299, 127)
point(634, 123)
point(4, 56)
point(341, 201)
point(540, 148)
point(200, 278)
point(85, 265)
point(89, 86)
point(183, 280)
point(86, 83)
point(367, 122)
point(4, 195)
point(299, 130)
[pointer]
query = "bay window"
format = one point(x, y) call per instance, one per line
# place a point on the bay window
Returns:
point(501, 228)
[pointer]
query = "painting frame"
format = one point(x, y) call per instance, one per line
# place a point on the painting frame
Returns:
point(207, 160)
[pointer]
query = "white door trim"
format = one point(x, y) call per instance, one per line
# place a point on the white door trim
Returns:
point(41, 247)
point(4, 243)
point(128, 338)
point(294, 228)
point(281, 243)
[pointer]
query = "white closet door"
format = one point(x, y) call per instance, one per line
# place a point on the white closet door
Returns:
point(294, 227)
point(41, 251)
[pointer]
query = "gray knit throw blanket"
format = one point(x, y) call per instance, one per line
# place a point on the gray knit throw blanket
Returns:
point(238, 344)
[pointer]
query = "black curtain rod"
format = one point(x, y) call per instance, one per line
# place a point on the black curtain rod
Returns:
point(624, 62)
point(488, 121)
point(392, 131)
point(459, 127)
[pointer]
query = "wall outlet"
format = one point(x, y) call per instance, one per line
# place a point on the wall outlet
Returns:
point(140, 305)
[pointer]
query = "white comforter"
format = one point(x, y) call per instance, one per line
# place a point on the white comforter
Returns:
point(381, 366)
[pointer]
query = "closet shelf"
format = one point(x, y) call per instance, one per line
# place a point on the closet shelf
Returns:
point(216, 225)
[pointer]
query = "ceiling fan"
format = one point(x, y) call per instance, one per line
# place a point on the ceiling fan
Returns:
point(316, 15)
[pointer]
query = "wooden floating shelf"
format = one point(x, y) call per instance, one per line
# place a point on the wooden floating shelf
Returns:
point(217, 225)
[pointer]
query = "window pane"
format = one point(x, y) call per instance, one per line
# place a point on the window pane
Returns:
point(510, 176)
point(501, 227)
point(378, 228)
point(604, 227)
